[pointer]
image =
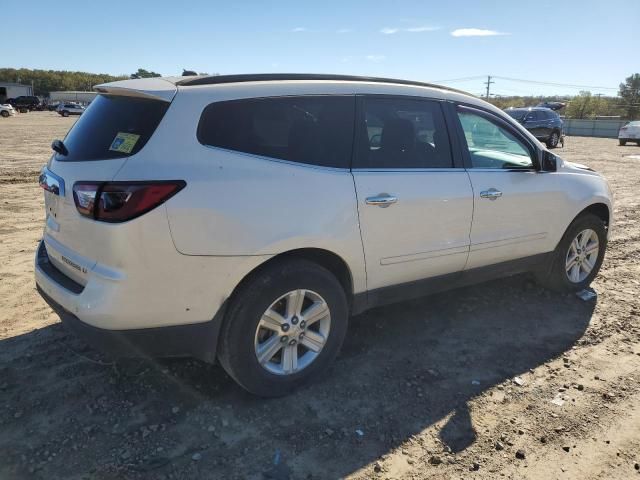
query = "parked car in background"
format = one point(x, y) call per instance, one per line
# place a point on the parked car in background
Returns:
point(552, 105)
point(7, 110)
point(25, 103)
point(545, 124)
point(630, 132)
point(52, 107)
point(246, 217)
point(66, 109)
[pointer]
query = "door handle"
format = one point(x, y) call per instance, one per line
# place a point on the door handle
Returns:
point(491, 194)
point(381, 200)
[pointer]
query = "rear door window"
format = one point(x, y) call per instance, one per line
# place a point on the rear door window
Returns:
point(316, 130)
point(101, 131)
point(402, 133)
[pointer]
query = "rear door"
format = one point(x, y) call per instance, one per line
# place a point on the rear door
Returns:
point(414, 204)
point(113, 129)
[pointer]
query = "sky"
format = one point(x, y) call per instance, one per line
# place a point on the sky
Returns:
point(576, 45)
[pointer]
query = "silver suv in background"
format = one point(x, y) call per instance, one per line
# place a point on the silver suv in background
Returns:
point(66, 109)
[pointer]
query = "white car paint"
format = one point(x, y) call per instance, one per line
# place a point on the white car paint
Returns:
point(7, 110)
point(178, 263)
point(630, 131)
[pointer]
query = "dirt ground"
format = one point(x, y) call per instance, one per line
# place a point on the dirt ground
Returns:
point(423, 389)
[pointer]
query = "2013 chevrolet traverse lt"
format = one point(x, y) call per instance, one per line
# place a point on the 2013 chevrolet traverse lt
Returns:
point(245, 218)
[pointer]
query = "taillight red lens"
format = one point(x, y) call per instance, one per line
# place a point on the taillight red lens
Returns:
point(122, 201)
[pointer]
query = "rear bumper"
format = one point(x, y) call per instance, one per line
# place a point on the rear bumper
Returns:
point(197, 340)
point(97, 310)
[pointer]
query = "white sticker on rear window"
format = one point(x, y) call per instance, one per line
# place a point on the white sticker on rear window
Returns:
point(124, 142)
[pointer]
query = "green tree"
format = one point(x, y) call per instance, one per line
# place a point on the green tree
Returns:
point(46, 81)
point(630, 94)
point(142, 73)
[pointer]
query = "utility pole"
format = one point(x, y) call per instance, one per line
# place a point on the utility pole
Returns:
point(488, 84)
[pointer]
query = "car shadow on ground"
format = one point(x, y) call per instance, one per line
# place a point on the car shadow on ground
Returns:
point(404, 368)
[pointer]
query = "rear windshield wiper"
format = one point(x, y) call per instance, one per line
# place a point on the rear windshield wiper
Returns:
point(59, 147)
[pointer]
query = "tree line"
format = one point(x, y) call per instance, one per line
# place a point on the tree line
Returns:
point(46, 81)
point(587, 105)
point(583, 105)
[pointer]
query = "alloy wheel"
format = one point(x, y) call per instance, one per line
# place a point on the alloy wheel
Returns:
point(292, 332)
point(582, 256)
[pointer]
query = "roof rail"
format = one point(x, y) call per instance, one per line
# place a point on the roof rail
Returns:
point(273, 77)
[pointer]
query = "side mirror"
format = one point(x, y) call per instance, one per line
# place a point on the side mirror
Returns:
point(548, 162)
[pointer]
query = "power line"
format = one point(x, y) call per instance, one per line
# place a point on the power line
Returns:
point(461, 79)
point(554, 84)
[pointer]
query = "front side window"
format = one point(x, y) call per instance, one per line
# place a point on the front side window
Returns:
point(490, 144)
point(402, 133)
point(316, 130)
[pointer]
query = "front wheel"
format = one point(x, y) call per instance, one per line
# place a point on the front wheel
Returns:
point(65, 113)
point(553, 140)
point(4, 113)
point(622, 142)
point(578, 257)
point(283, 328)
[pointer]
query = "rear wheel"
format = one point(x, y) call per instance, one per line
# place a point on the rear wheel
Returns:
point(4, 113)
point(283, 328)
point(622, 142)
point(65, 113)
point(578, 257)
point(552, 141)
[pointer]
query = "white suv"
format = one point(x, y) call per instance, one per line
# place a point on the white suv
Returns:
point(245, 218)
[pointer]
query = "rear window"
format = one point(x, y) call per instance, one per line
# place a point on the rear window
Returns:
point(113, 127)
point(315, 130)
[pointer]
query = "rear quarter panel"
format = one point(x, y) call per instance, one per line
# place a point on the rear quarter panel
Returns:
point(243, 205)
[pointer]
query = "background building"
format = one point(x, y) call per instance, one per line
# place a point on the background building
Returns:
point(13, 90)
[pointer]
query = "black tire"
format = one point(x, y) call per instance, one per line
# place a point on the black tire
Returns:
point(555, 276)
point(65, 113)
point(4, 113)
point(553, 140)
point(638, 143)
point(622, 142)
point(236, 350)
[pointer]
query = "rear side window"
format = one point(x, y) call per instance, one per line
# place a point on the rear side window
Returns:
point(403, 133)
point(316, 130)
point(112, 127)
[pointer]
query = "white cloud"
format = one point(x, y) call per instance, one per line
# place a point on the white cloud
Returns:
point(421, 29)
point(375, 58)
point(476, 32)
point(299, 29)
point(392, 30)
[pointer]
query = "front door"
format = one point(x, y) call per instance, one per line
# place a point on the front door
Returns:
point(414, 207)
point(514, 204)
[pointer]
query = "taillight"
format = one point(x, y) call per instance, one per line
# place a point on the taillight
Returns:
point(122, 201)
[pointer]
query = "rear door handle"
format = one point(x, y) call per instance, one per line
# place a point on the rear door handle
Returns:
point(491, 194)
point(381, 200)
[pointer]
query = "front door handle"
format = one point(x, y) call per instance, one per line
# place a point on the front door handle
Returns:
point(491, 194)
point(381, 200)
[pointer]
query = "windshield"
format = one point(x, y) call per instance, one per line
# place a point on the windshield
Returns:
point(112, 127)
